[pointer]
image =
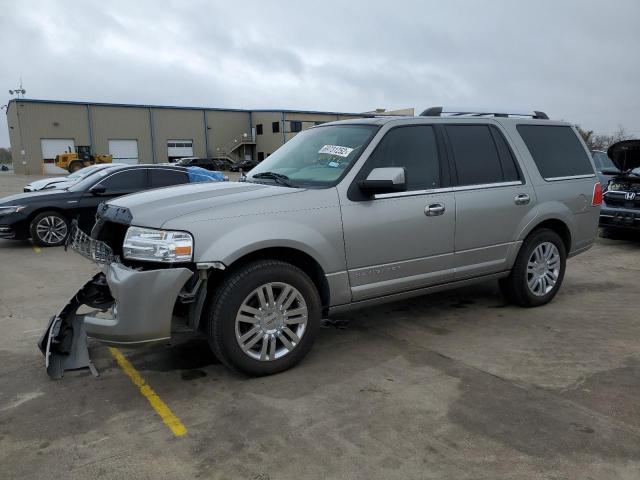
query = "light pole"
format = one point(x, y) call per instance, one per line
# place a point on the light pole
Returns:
point(18, 91)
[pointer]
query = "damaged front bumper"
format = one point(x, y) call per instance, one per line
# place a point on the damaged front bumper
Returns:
point(130, 308)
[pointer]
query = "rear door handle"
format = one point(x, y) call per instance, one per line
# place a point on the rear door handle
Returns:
point(434, 210)
point(522, 199)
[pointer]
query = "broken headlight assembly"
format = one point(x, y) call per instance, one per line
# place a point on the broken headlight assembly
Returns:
point(151, 245)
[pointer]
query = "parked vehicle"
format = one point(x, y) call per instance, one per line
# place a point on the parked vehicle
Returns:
point(81, 157)
point(64, 182)
point(218, 164)
point(45, 215)
point(244, 165)
point(621, 208)
point(345, 215)
point(4, 168)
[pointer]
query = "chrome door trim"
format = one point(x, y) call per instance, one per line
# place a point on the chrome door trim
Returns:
point(570, 177)
point(447, 189)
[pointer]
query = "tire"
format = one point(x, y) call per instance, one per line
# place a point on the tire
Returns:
point(75, 166)
point(541, 244)
point(49, 229)
point(237, 315)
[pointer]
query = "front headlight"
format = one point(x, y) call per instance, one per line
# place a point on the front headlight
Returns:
point(151, 245)
point(11, 209)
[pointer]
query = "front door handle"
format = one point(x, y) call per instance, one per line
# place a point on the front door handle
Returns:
point(522, 199)
point(434, 210)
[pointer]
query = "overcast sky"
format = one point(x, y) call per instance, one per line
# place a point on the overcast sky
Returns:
point(576, 60)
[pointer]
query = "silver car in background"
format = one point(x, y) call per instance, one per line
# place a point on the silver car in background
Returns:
point(68, 180)
point(345, 215)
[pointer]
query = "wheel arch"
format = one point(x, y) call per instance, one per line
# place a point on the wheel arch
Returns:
point(296, 257)
point(558, 226)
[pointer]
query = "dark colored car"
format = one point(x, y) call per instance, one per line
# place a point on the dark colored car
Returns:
point(44, 216)
point(621, 206)
point(603, 164)
point(244, 165)
point(217, 164)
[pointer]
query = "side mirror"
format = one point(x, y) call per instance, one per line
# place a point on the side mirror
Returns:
point(384, 180)
point(97, 190)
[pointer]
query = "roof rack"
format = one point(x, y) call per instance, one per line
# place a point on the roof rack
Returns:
point(438, 111)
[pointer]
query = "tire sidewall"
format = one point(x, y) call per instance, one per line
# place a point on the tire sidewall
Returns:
point(223, 317)
point(530, 245)
point(34, 233)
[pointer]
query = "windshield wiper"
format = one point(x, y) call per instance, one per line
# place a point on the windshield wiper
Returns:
point(277, 177)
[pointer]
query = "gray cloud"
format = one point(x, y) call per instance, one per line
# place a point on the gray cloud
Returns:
point(577, 60)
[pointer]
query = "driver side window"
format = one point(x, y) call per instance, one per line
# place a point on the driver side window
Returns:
point(126, 181)
point(413, 147)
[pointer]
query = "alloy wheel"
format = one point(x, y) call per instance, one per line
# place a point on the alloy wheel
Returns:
point(543, 269)
point(271, 321)
point(51, 229)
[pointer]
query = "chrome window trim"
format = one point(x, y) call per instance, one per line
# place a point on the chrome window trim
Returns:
point(570, 177)
point(447, 189)
point(488, 185)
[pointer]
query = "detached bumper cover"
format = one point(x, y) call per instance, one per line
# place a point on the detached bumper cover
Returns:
point(143, 305)
point(136, 308)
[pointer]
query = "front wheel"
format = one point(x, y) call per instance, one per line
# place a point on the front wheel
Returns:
point(49, 229)
point(263, 318)
point(538, 271)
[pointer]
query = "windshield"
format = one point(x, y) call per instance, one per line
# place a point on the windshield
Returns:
point(602, 161)
point(83, 172)
point(317, 157)
point(89, 180)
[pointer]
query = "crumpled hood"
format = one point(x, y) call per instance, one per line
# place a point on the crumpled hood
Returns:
point(625, 155)
point(153, 208)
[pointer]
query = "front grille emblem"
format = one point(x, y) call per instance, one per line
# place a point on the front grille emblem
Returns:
point(630, 195)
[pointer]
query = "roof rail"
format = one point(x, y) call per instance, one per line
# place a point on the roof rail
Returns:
point(438, 111)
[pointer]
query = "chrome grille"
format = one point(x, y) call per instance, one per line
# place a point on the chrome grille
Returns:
point(90, 248)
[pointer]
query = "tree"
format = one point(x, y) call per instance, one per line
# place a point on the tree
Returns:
point(602, 142)
point(5, 155)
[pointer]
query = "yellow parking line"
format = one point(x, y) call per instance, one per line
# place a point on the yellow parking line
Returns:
point(161, 408)
point(36, 249)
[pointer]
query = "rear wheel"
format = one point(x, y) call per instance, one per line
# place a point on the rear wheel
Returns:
point(263, 318)
point(538, 270)
point(49, 229)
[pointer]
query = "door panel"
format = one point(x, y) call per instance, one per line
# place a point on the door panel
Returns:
point(392, 245)
point(488, 223)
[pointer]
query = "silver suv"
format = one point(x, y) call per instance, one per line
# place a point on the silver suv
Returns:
point(345, 215)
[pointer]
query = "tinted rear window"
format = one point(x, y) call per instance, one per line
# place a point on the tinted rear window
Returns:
point(481, 155)
point(556, 150)
point(163, 178)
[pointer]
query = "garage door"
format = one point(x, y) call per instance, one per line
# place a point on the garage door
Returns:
point(52, 147)
point(179, 149)
point(124, 151)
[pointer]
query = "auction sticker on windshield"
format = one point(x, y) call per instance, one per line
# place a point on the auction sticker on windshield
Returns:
point(336, 150)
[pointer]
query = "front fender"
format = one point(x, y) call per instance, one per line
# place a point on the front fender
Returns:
point(241, 239)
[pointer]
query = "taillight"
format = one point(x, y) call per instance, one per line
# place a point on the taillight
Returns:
point(597, 195)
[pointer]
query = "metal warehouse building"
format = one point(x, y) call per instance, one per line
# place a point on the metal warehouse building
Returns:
point(40, 129)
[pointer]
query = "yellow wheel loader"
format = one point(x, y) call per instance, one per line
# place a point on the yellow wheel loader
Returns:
point(82, 157)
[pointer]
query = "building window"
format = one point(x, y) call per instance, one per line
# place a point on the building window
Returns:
point(296, 126)
point(259, 129)
point(275, 126)
point(260, 156)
